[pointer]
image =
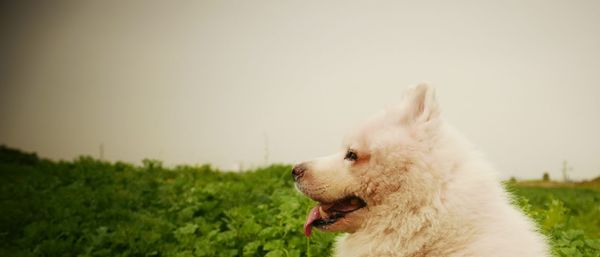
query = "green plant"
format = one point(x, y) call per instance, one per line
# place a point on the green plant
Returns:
point(88, 207)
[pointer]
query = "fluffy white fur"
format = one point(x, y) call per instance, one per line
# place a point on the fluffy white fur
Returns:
point(428, 191)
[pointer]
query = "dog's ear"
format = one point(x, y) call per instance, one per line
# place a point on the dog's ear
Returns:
point(421, 105)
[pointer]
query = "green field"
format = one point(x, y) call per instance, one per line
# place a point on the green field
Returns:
point(88, 207)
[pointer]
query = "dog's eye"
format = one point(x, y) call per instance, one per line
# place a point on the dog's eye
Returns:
point(351, 156)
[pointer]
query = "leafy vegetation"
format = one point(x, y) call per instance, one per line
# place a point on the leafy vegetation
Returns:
point(89, 207)
point(569, 216)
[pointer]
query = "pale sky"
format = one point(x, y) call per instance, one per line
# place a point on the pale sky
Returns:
point(193, 82)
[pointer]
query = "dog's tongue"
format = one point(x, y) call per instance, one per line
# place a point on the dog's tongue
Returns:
point(313, 215)
point(322, 211)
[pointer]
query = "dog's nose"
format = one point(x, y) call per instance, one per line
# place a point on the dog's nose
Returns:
point(298, 171)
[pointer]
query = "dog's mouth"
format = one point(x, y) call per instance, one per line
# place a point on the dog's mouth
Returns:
point(326, 214)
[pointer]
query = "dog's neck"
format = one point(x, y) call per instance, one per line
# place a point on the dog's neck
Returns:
point(409, 229)
point(429, 225)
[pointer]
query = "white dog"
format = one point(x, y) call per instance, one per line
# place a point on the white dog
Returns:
point(406, 184)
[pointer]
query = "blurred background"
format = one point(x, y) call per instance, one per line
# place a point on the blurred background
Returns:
point(241, 84)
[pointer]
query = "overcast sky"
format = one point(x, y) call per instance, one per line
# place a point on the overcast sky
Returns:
point(215, 81)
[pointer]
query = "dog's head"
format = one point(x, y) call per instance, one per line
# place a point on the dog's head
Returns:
point(384, 158)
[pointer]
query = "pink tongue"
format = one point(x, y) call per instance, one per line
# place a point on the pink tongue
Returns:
point(312, 216)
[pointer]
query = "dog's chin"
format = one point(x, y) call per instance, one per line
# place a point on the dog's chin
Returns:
point(344, 214)
point(350, 223)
